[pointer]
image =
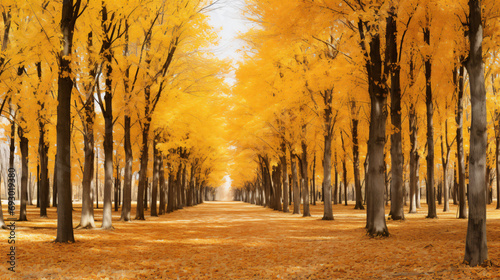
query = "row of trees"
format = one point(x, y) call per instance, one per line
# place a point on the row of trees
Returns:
point(137, 75)
point(321, 78)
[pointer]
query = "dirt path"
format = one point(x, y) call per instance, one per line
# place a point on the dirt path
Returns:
point(233, 240)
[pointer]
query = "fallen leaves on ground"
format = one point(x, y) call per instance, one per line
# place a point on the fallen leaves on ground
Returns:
point(234, 240)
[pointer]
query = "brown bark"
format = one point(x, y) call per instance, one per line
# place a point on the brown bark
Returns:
point(305, 181)
point(156, 177)
point(462, 213)
point(497, 142)
point(355, 157)
point(327, 156)
point(376, 225)
point(163, 192)
point(431, 202)
point(413, 160)
point(87, 216)
point(127, 146)
point(24, 173)
point(296, 192)
point(63, 161)
point(397, 211)
point(476, 249)
point(284, 175)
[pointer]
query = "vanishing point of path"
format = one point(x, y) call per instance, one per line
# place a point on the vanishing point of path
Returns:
point(234, 240)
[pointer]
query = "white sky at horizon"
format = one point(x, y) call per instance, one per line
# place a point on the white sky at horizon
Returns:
point(227, 17)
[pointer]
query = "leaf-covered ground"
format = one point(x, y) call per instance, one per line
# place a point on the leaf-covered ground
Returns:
point(233, 240)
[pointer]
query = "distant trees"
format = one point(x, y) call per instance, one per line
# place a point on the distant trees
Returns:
point(112, 55)
point(403, 57)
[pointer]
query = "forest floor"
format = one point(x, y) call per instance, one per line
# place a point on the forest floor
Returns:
point(233, 240)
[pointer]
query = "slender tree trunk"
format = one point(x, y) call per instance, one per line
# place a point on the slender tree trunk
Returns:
point(296, 192)
point(462, 213)
point(65, 87)
point(171, 191)
point(146, 189)
point(87, 216)
point(143, 167)
point(284, 175)
point(163, 192)
point(117, 186)
point(156, 175)
point(327, 158)
point(445, 163)
point(127, 178)
point(314, 180)
point(397, 211)
point(24, 175)
point(179, 186)
point(431, 202)
point(355, 159)
point(184, 185)
point(277, 189)
point(305, 181)
point(497, 140)
point(38, 185)
point(108, 139)
point(97, 178)
point(44, 170)
point(344, 171)
point(336, 180)
point(413, 159)
point(497, 169)
point(476, 250)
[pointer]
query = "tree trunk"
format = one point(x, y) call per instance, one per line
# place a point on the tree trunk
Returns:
point(44, 170)
point(156, 175)
point(284, 175)
point(146, 187)
point(87, 217)
point(296, 192)
point(24, 173)
point(179, 186)
point(143, 167)
point(476, 250)
point(117, 186)
point(355, 159)
point(344, 171)
point(327, 158)
point(314, 181)
point(445, 163)
point(462, 213)
point(413, 159)
point(431, 202)
point(497, 156)
point(376, 225)
point(190, 189)
point(397, 211)
point(336, 180)
point(163, 192)
point(305, 181)
point(171, 191)
point(63, 161)
point(97, 178)
point(127, 146)
point(184, 185)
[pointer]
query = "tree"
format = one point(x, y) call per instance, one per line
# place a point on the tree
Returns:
point(69, 16)
point(476, 250)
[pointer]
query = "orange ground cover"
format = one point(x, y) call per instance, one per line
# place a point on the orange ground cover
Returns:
point(233, 240)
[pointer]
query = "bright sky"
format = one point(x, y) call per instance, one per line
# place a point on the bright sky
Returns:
point(228, 18)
